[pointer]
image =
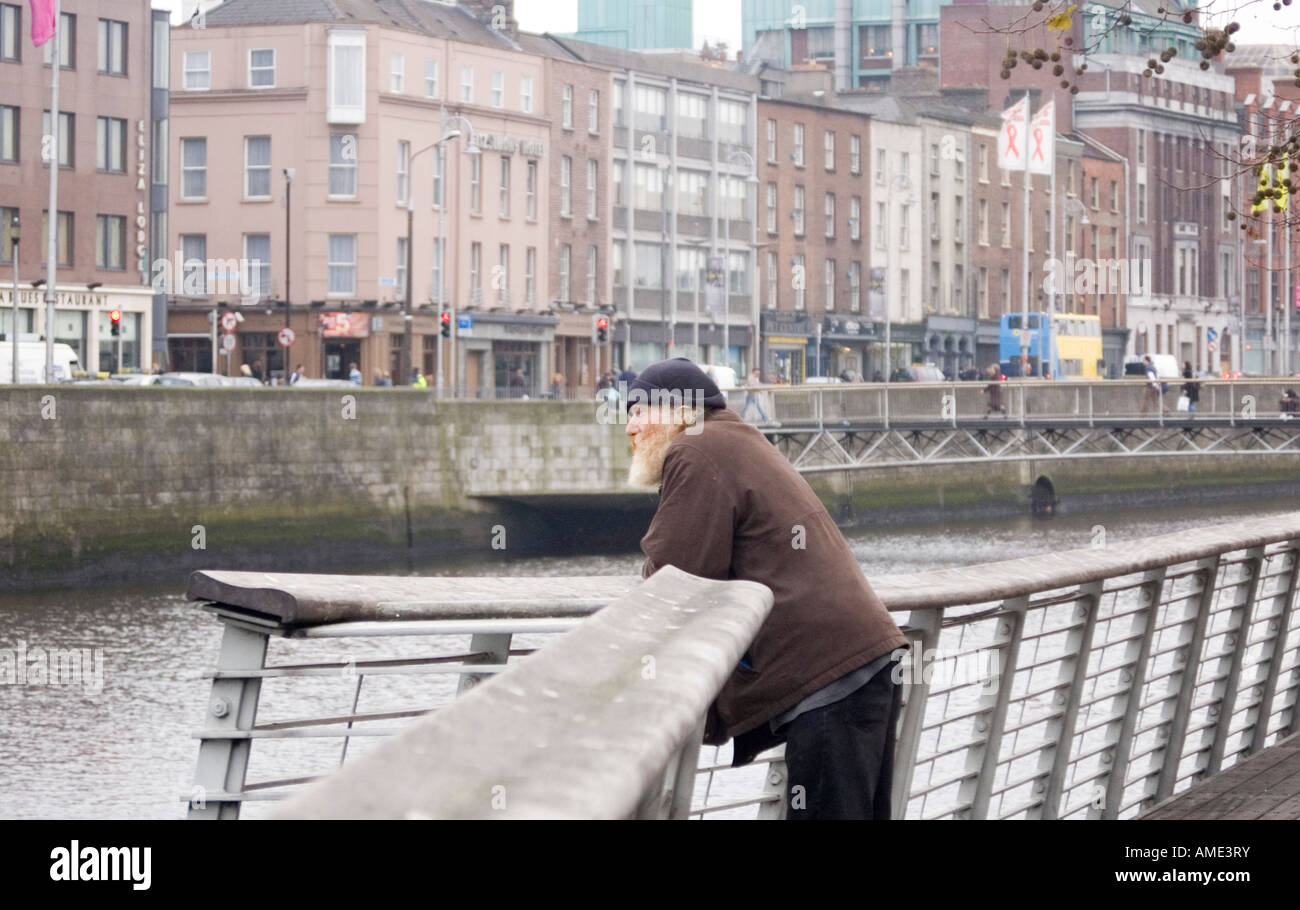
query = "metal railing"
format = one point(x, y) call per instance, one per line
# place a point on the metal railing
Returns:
point(1083, 684)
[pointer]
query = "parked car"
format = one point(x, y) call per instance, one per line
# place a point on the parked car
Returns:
point(31, 362)
point(208, 380)
point(243, 381)
point(822, 380)
point(135, 379)
point(306, 383)
point(919, 372)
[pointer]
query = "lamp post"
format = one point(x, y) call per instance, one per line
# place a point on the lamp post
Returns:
point(13, 326)
point(1072, 206)
point(470, 149)
point(899, 183)
point(288, 185)
point(735, 156)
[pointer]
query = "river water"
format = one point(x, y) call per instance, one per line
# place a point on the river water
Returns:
point(127, 750)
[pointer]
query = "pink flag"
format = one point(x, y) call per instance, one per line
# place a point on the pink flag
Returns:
point(42, 21)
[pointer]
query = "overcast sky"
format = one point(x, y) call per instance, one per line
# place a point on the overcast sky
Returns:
point(720, 19)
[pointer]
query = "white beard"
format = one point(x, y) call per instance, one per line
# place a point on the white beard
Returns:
point(648, 452)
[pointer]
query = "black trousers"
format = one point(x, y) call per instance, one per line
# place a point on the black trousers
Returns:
point(840, 758)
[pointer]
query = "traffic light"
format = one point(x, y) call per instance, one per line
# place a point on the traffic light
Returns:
point(601, 333)
point(446, 324)
point(115, 317)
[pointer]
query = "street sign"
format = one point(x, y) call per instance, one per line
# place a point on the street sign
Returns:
point(227, 343)
point(285, 337)
point(229, 321)
point(1211, 334)
point(388, 282)
point(464, 324)
point(1212, 346)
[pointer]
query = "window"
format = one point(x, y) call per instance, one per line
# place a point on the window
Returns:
point(194, 168)
point(649, 267)
point(797, 213)
point(346, 79)
point(194, 253)
point(1070, 184)
point(830, 214)
point(566, 180)
point(828, 282)
point(67, 36)
point(692, 115)
point(927, 40)
point(403, 171)
point(647, 187)
point(983, 159)
point(882, 226)
point(439, 174)
point(738, 270)
point(905, 163)
point(261, 68)
point(880, 166)
point(1114, 196)
point(11, 44)
point(771, 208)
point(1005, 276)
point(982, 293)
point(503, 202)
point(798, 145)
point(1094, 193)
point(1142, 201)
point(257, 167)
point(959, 219)
point(502, 279)
point(732, 195)
point(855, 154)
point(771, 142)
point(530, 275)
point(650, 104)
point(342, 264)
point(161, 53)
point(855, 287)
point(257, 264)
point(593, 111)
point(112, 47)
point(591, 275)
point(593, 196)
point(526, 94)
point(110, 242)
point(467, 84)
point(616, 264)
point(934, 159)
point(620, 91)
point(876, 41)
point(620, 170)
point(476, 184)
point(566, 117)
point(828, 149)
point(63, 241)
point(67, 136)
point(959, 166)
point(904, 233)
point(799, 279)
point(110, 145)
point(565, 261)
point(431, 78)
point(982, 220)
point(1006, 224)
point(396, 70)
point(1142, 146)
point(733, 122)
point(343, 164)
point(773, 280)
point(530, 191)
point(498, 89)
point(198, 71)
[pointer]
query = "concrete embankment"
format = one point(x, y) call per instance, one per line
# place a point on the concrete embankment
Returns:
point(106, 485)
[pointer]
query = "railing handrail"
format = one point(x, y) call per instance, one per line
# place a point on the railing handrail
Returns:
point(585, 728)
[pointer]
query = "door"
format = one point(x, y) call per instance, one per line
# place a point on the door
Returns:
point(339, 356)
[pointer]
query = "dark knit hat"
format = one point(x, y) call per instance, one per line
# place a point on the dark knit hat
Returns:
point(677, 381)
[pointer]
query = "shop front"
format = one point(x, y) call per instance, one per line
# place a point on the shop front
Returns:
point(505, 355)
point(950, 343)
point(83, 321)
point(846, 345)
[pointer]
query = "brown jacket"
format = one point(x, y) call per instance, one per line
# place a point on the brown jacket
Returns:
point(731, 506)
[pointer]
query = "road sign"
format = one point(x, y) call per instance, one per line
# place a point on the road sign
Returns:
point(1212, 346)
point(229, 321)
point(464, 323)
point(285, 337)
point(1211, 334)
point(227, 343)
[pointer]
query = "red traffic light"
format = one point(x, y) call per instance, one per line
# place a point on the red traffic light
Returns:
point(115, 315)
point(602, 323)
point(446, 318)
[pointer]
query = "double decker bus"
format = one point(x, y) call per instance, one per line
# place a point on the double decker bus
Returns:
point(1062, 345)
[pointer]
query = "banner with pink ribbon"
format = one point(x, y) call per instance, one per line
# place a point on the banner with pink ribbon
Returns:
point(42, 21)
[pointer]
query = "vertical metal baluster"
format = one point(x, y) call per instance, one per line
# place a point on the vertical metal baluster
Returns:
point(1123, 747)
point(232, 706)
point(497, 646)
point(778, 775)
point(1228, 704)
point(916, 695)
point(1187, 681)
point(682, 781)
point(356, 699)
point(1079, 649)
point(1278, 653)
point(1011, 628)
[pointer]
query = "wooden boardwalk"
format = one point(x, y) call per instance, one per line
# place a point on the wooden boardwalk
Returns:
point(1264, 786)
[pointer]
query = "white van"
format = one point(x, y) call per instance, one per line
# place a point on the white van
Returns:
point(723, 377)
point(31, 362)
point(1166, 366)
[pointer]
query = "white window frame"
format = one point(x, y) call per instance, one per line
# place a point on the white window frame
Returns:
point(467, 84)
point(855, 217)
point(830, 216)
point(771, 141)
point(771, 208)
point(498, 89)
point(855, 155)
point(801, 288)
point(591, 275)
point(797, 154)
point(773, 280)
point(476, 184)
point(566, 186)
point(566, 257)
point(530, 275)
point(593, 112)
point(503, 189)
point(249, 169)
point(526, 94)
point(263, 287)
point(566, 107)
point(828, 149)
point(332, 264)
point(342, 165)
point(855, 286)
point(261, 69)
point(530, 190)
point(203, 169)
point(431, 86)
point(399, 267)
point(396, 73)
point(191, 70)
point(345, 100)
point(593, 192)
point(798, 211)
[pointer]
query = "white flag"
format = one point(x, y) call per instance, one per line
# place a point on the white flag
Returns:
point(1011, 139)
point(1042, 140)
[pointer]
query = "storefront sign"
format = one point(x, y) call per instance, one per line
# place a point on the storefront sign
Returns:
point(344, 325)
point(63, 299)
point(509, 145)
point(785, 323)
point(848, 326)
point(141, 185)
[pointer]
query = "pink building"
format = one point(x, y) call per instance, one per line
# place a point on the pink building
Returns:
point(342, 110)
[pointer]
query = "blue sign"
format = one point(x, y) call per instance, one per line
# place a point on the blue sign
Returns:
point(465, 321)
point(1211, 334)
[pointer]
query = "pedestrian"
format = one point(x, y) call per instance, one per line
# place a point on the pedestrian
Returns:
point(1151, 391)
point(557, 385)
point(822, 673)
point(753, 383)
point(258, 373)
point(993, 391)
point(354, 374)
point(417, 379)
point(877, 376)
point(518, 384)
point(1191, 389)
point(297, 374)
point(380, 379)
point(245, 370)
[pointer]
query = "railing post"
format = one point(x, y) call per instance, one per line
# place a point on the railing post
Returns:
point(670, 797)
point(1232, 684)
point(1011, 628)
point(1177, 730)
point(954, 405)
point(1136, 679)
point(1282, 631)
point(916, 693)
point(232, 707)
point(496, 650)
point(1078, 647)
point(778, 782)
point(1090, 418)
point(884, 394)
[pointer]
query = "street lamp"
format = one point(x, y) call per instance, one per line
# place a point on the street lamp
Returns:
point(13, 326)
point(899, 183)
point(735, 156)
point(1071, 206)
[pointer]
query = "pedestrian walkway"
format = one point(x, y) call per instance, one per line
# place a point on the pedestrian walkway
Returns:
point(1264, 786)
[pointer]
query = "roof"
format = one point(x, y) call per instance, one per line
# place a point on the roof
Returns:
point(1270, 58)
point(666, 65)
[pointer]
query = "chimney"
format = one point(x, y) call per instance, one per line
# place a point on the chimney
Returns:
point(495, 14)
point(843, 44)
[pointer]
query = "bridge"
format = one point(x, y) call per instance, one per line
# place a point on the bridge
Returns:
point(1099, 683)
